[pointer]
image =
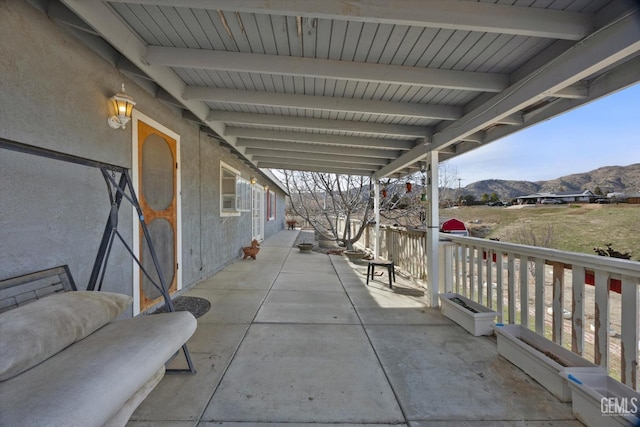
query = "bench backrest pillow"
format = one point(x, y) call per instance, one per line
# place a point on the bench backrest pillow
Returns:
point(34, 332)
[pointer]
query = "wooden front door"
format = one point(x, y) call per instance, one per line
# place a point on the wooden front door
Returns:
point(157, 193)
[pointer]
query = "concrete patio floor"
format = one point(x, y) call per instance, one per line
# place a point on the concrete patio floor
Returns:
point(298, 338)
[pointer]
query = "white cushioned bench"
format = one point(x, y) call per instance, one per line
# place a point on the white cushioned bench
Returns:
point(100, 377)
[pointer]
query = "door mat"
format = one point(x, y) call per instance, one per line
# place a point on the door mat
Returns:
point(194, 305)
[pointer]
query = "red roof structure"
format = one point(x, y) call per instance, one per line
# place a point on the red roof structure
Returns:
point(454, 226)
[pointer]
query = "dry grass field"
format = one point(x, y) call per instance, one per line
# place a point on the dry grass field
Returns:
point(573, 227)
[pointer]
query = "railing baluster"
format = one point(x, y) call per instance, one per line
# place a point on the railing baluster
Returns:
point(465, 271)
point(511, 287)
point(630, 331)
point(539, 296)
point(472, 276)
point(456, 257)
point(602, 319)
point(480, 262)
point(558, 306)
point(448, 267)
point(524, 291)
point(577, 309)
point(489, 278)
point(414, 252)
point(416, 249)
point(499, 290)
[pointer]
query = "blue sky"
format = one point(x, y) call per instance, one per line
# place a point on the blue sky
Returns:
point(603, 133)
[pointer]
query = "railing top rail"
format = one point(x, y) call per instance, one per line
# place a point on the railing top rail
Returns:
point(401, 229)
point(615, 265)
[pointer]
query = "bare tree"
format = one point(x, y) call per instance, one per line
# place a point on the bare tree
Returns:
point(542, 236)
point(400, 200)
point(406, 207)
point(449, 184)
point(323, 198)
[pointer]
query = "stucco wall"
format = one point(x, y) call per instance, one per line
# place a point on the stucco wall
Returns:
point(54, 94)
point(278, 223)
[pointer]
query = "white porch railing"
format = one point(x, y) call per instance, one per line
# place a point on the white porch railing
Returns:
point(544, 290)
point(587, 303)
point(405, 247)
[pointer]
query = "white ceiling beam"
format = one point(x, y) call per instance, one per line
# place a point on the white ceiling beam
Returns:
point(314, 148)
point(326, 160)
point(288, 164)
point(59, 13)
point(621, 77)
point(324, 103)
point(342, 170)
point(596, 52)
point(451, 149)
point(511, 119)
point(576, 91)
point(600, 50)
point(269, 174)
point(449, 14)
point(261, 154)
point(111, 27)
point(163, 95)
point(319, 124)
point(324, 68)
point(129, 68)
point(405, 160)
point(118, 35)
point(320, 138)
point(477, 137)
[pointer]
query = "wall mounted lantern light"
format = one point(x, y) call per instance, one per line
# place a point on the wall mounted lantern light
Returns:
point(252, 180)
point(123, 105)
point(266, 188)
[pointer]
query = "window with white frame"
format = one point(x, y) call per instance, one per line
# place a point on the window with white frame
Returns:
point(235, 192)
point(271, 205)
point(243, 195)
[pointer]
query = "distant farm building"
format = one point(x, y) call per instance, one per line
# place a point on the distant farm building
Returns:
point(632, 198)
point(566, 197)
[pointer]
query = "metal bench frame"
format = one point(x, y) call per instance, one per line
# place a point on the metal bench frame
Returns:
point(20, 290)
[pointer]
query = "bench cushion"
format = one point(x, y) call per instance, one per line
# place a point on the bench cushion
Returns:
point(88, 382)
point(36, 331)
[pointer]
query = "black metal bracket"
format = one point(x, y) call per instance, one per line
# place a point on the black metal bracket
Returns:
point(117, 191)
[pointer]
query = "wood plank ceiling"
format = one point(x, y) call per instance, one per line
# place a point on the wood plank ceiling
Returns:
point(365, 87)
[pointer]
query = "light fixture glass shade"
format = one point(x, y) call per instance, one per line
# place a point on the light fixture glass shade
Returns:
point(123, 105)
point(252, 180)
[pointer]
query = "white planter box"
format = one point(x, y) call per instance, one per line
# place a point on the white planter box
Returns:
point(476, 323)
point(601, 401)
point(540, 358)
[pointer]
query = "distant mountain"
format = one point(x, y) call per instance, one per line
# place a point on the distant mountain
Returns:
point(609, 179)
point(504, 189)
